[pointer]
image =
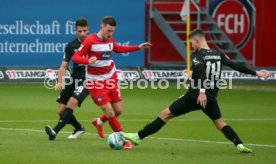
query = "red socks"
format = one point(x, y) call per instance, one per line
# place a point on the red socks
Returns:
point(103, 118)
point(115, 124)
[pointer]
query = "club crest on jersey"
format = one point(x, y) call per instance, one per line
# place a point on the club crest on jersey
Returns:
point(110, 46)
point(234, 17)
point(99, 98)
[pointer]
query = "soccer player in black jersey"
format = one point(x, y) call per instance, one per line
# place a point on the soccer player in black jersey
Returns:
point(72, 95)
point(202, 93)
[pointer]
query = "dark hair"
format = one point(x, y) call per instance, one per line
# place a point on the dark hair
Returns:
point(109, 20)
point(196, 32)
point(81, 22)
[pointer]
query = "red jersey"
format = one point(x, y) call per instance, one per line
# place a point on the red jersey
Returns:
point(104, 68)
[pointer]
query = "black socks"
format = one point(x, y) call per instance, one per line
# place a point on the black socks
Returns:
point(231, 135)
point(74, 122)
point(151, 128)
point(66, 117)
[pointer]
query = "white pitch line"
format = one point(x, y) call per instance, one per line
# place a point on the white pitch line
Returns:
point(158, 138)
point(177, 120)
point(207, 141)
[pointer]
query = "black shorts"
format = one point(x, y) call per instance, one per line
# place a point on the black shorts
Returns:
point(79, 92)
point(186, 104)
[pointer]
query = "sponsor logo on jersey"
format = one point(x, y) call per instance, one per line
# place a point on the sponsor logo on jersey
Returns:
point(234, 18)
point(195, 61)
point(106, 55)
point(102, 47)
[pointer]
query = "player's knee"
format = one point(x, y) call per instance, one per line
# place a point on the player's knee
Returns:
point(72, 103)
point(109, 114)
point(118, 113)
point(108, 111)
point(60, 114)
point(166, 115)
point(61, 108)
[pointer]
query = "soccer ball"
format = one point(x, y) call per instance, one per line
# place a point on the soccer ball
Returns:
point(116, 141)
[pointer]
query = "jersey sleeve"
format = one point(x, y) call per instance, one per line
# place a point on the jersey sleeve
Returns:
point(67, 53)
point(236, 66)
point(78, 56)
point(122, 49)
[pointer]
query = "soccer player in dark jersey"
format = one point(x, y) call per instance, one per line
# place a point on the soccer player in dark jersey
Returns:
point(73, 93)
point(206, 68)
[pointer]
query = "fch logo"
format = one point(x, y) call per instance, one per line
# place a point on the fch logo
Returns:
point(234, 17)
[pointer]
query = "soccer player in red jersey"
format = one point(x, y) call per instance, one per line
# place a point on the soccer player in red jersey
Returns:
point(101, 73)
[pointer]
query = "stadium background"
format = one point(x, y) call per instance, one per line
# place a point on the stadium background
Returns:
point(31, 44)
point(32, 38)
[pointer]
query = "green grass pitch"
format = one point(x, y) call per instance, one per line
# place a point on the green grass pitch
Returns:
point(250, 109)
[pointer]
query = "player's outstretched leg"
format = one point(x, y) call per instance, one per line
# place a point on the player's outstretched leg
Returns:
point(233, 137)
point(132, 137)
point(149, 129)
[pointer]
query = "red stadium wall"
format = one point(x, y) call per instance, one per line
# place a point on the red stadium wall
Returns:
point(266, 34)
point(162, 50)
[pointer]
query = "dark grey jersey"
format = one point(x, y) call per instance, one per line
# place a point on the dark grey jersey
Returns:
point(78, 71)
point(206, 71)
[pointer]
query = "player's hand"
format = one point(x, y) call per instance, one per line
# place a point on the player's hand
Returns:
point(202, 99)
point(58, 86)
point(92, 60)
point(263, 74)
point(145, 45)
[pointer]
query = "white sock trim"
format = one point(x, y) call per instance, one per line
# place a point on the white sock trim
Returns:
point(240, 146)
point(99, 121)
point(137, 136)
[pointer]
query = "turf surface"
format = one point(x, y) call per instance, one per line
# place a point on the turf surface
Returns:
point(250, 109)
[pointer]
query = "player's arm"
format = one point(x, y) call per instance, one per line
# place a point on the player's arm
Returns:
point(78, 55)
point(61, 72)
point(241, 68)
point(122, 49)
point(63, 67)
point(199, 69)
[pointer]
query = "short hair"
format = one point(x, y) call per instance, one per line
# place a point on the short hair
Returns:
point(81, 22)
point(196, 32)
point(108, 20)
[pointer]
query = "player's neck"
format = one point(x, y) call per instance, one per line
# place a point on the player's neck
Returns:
point(99, 34)
point(204, 46)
